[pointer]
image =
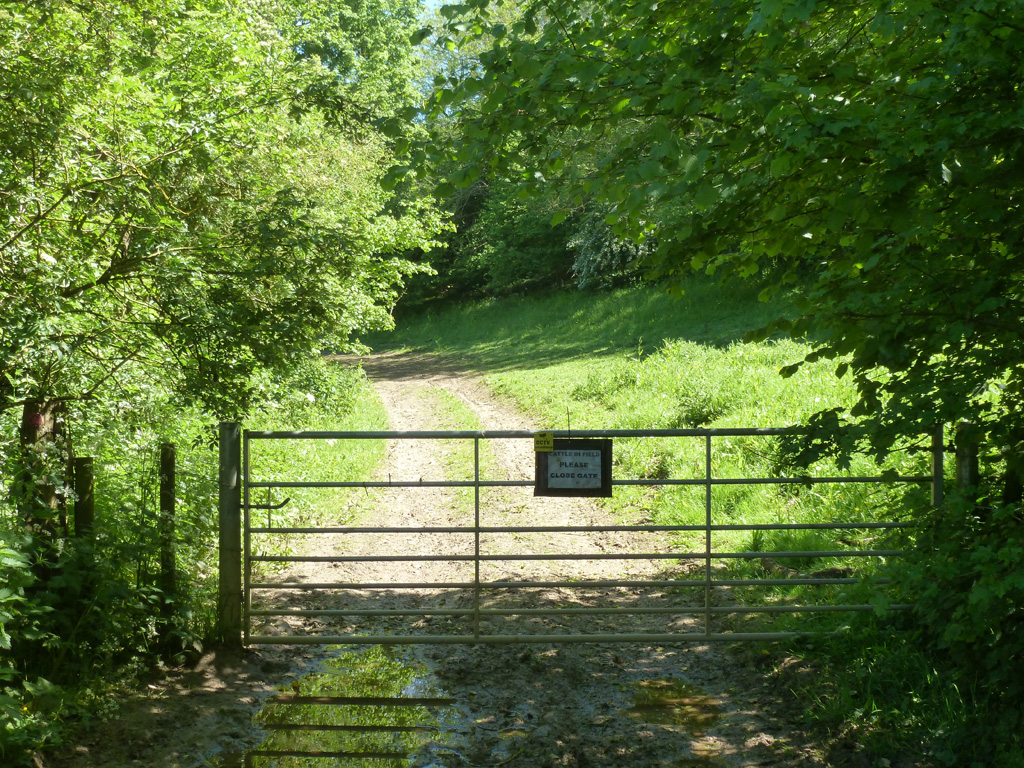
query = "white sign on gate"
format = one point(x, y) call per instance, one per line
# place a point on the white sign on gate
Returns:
point(574, 469)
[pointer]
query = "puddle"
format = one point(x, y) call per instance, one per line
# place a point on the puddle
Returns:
point(675, 702)
point(365, 707)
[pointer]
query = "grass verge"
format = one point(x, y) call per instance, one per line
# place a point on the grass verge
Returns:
point(347, 403)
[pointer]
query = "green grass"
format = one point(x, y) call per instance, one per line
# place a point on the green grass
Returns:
point(314, 460)
point(539, 331)
point(636, 359)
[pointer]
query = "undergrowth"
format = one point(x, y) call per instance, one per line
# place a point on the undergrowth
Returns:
point(94, 613)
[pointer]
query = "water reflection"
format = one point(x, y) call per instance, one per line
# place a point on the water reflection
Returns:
point(675, 702)
point(366, 707)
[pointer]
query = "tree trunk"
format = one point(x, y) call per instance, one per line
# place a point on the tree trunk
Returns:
point(43, 465)
point(1013, 482)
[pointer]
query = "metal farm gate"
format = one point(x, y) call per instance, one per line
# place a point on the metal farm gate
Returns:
point(696, 597)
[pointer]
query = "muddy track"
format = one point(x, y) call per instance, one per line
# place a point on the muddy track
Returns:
point(520, 705)
point(417, 403)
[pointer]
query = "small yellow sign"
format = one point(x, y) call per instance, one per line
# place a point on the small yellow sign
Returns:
point(544, 442)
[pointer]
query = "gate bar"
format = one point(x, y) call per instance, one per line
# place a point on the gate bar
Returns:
point(517, 433)
point(591, 556)
point(707, 534)
point(512, 585)
point(644, 482)
point(247, 529)
point(476, 537)
point(647, 638)
point(250, 756)
point(591, 528)
point(672, 610)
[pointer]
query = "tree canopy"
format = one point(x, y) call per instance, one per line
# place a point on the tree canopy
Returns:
point(870, 152)
point(192, 186)
point(190, 211)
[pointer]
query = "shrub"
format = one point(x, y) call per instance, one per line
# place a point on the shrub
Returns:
point(22, 724)
point(78, 614)
point(603, 260)
point(966, 580)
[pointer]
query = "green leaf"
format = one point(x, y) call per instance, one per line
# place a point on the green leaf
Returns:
point(620, 105)
point(788, 371)
point(706, 196)
point(420, 35)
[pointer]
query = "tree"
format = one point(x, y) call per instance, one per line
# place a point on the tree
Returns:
point(499, 242)
point(190, 191)
point(871, 153)
point(365, 43)
point(190, 209)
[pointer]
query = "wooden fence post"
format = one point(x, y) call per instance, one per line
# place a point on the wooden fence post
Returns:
point(229, 608)
point(938, 466)
point(85, 504)
point(168, 565)
point(967, 469)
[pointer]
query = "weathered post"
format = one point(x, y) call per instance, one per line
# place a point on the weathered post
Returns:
point(229, 608)
point(938, 466)
point(966, 443)
point(168, 457)
point(85, 504)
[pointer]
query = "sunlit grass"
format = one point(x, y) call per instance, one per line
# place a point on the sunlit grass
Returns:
point(539, 331)
point(320, 460)
point(638, 359)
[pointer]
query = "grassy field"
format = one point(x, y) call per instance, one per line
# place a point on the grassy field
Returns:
point(638, 359)
point(343, 400)
point(535, 331)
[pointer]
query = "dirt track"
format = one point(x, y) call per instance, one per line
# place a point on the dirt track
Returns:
point(573, 704)
point(520, 705)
